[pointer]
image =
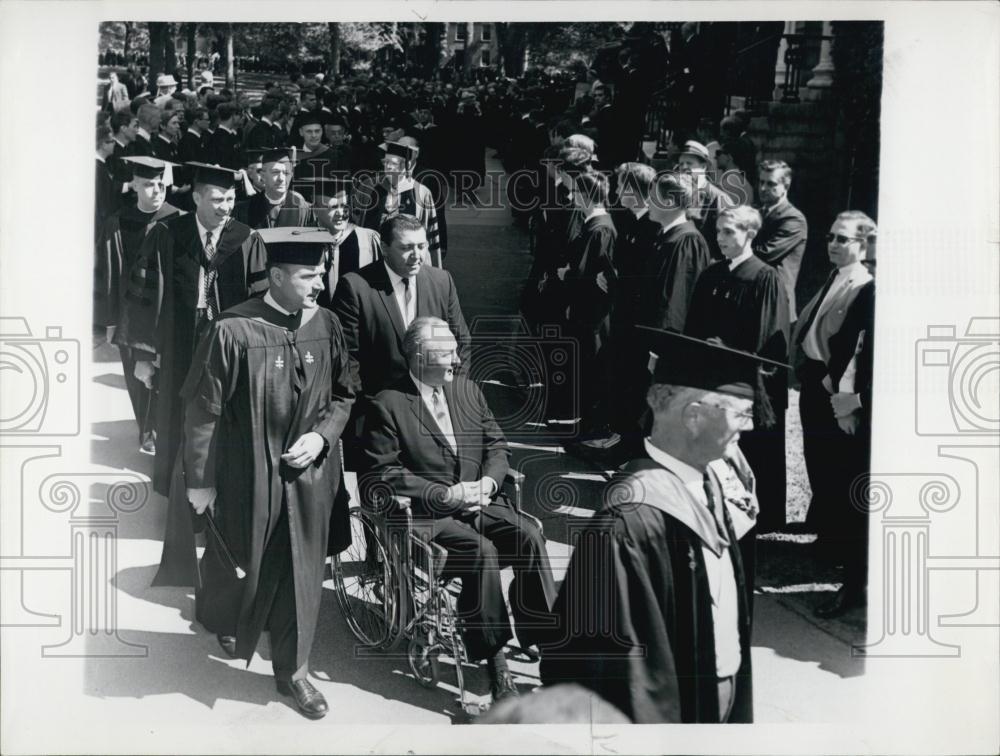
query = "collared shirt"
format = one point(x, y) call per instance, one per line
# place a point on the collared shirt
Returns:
point(408, 314)
point(766, 211)
point(216, 233)
point(444, 424)
point(226, 128)
point(739, 260)
point(193, 130)
point(100, 159)
point(675, 222)
point(721, 578)
point(143, 133)
point(811, 342)
point(639, 212)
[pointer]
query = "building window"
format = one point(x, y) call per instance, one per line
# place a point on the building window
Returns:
point(486, 32)
point(484, 58)
point(460, 32)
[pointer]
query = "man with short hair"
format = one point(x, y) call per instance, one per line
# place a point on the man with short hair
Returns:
point(278, 204)
point(120, 240)
point(431, 437)
point(740, 300)
point(148, 117)
point(833, 340)
point(653, 614)
point(781, 242)
point(189, 269)
point(224, 145)
point(193, 146)
point(266, 133)
point(267, 397)
point(116, 96)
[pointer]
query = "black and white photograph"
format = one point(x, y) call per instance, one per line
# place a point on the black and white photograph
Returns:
point(421, 367)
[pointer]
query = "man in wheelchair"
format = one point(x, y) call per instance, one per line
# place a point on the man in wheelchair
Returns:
point(432, 438)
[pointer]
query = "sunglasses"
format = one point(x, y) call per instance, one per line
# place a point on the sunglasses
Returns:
point(841, 239)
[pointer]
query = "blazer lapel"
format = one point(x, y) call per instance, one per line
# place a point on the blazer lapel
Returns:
point(388, 298)
point(423, 293)
point(458, 420)
point(423, 415)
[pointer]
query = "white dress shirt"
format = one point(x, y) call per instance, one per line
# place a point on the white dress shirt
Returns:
point(721, 578)
point(444, 424)
point(737, 261)
point(408, 314)
point(202, 231)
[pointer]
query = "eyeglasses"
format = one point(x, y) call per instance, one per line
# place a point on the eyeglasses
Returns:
point(841, 239)
point(742, 416)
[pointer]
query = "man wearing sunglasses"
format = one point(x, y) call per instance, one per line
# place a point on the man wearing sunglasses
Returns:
point(833, 339)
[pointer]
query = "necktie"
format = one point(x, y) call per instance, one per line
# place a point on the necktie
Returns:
point(713, 506)
point(407, 301)
point(441, 415)
point(211, 297)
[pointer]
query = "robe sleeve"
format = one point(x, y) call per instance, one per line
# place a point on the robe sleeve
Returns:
point(255, 255)
point(383, 452)
point(108, 256)
point(428, 214)
point(773, 319)
point(333, 418)
point(209, 385)
point(142, 312)
point(605, 610)
point(691, 256)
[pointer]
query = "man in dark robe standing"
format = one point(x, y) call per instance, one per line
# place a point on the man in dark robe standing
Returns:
point(121, 238)
point(278, 204)
point(741, 301)
point(653, 614)
point(190, 268)
point(266, 400)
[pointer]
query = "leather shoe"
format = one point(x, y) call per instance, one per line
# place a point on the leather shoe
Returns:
point(843, 602)
point(310, 701)
point(228, 644)
point(502, 686)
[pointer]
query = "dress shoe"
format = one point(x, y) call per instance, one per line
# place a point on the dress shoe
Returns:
point(502, 686)
point(228, 644)
point(843, 602)
point(310, 701)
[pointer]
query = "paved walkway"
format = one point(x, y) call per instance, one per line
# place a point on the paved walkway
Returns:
point(803, 670)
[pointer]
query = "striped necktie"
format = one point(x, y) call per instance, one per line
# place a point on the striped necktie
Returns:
point(211, 296)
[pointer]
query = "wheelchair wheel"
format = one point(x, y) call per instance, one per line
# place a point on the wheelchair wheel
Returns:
point(424, 662)
point(367, 585)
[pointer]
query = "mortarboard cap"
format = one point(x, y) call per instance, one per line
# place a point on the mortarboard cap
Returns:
point(151, 167)
point(312, 117)
point(400, 150)
point(324, 186)
point(270, 155)
point(687, 361)
point(296, 245)
point(216, 175)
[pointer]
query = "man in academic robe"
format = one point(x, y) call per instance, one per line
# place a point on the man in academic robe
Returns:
point(224, 144)
point(189, 269)
point(740, 300)
point(694, 159)
point(267, 397)
point(431, 437)
point(278, 204)
point(653, 614)
point(192, 147)
point(832, 341)
point(148, 117)
point(266, 133)
point(118, 247)
point(398, 193)
point(351, 247)
point(107, 194)
point(316, 160)
point(376, 305)
point(781, 242)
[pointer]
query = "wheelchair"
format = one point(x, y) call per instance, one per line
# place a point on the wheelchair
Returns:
point(391, 588)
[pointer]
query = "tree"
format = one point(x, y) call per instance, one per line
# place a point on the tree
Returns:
point(230, 59)
point(157, 56)
point(334, 57)
point(192, 49)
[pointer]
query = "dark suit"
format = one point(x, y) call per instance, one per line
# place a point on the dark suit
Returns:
point(406, 449)
point(373, 326)
point(224, 149)
point(780, 243)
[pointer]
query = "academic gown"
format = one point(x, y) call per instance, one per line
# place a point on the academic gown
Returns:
point(258, 212)
point(638, 585)
point(748, 309)
point(106, 199)
point(159, 318)
point(258, 382)
point(117, 250)
point(416, 200)
point(359, 247)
